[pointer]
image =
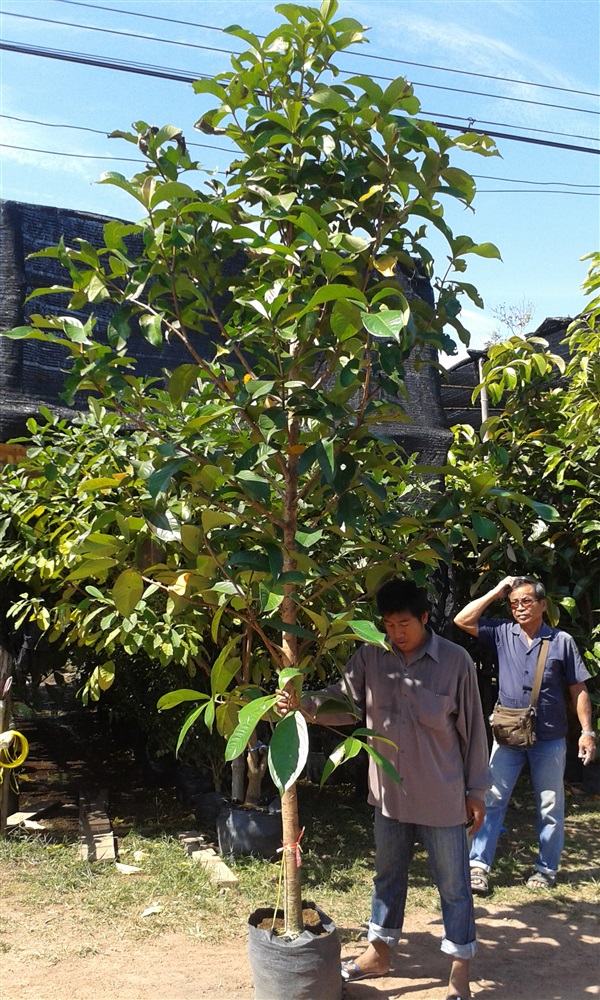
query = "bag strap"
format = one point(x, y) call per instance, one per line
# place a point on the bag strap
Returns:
point(539, 670)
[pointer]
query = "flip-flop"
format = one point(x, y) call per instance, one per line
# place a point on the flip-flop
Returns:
point(351, 972)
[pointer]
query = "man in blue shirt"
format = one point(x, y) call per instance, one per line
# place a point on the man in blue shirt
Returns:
point(517, 645)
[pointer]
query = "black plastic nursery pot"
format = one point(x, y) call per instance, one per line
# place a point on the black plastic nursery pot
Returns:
point(249, 831)
point(305, 968)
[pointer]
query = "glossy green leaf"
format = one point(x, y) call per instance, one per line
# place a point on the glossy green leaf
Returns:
point(249, 717)
point(174, 698)
point(288, 750)
point(127, 591)
point(368, 632)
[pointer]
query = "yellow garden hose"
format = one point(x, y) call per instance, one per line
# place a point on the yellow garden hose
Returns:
point(9, 756)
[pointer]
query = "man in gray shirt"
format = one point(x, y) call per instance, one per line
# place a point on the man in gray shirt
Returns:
point(422, 693)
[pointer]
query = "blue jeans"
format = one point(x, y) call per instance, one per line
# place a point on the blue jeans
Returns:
point(446, 848)
point(546, 760)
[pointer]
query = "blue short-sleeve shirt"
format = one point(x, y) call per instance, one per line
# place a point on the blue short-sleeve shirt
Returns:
point(517, 661)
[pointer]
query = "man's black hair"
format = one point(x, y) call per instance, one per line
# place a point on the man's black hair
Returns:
point(402, 595)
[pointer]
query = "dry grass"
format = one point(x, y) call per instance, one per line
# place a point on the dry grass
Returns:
point(42, 872)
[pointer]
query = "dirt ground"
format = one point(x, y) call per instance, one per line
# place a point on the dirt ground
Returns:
point(530, 952)
point(532, 955)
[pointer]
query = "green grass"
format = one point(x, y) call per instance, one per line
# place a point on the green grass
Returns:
point(337, 864)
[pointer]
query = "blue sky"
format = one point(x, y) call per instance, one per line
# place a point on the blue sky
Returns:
point(541, 228)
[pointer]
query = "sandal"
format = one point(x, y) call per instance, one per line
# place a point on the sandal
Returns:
point(351, 972)
point(479, 882)
point(539, 880)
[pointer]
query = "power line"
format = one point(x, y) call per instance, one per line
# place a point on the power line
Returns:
point(113, 31)
point(373, 76)
point(361, 55)
point(78, 156)
point(128, 159)
point(221, 149)
point(520, 138)
point(104, 132)
point(180, 76)
point(514, 180)
point(143, 69)
point(524, 128)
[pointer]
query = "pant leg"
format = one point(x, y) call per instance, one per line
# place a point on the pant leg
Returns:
point(448, 855)
point(506, 764)
point(394, 846)
point(547, 768)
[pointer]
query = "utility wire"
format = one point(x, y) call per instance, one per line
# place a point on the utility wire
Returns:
point(373, 76)
point(78, 156)
point(128, 159)
point(145, 70)
point(221, 149)
point(523, 128)
point(181, 77)
point(361, 55)
point(105, 133)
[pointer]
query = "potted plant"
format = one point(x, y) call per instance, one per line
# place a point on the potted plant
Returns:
point(268, 472)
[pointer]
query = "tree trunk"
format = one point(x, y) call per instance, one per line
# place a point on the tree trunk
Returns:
point(289, 802)
point(238, 778)
point(6, 666)
point(293, 886)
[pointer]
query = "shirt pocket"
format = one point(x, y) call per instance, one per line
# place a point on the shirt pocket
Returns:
point(434, 710)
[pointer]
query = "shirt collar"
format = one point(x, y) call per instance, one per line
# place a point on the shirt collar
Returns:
point(431, 647)
point(544, 633)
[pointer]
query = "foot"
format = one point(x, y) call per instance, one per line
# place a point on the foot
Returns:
point(375, 961)
point(541, 881)
point(458, 984)
point(479, 882)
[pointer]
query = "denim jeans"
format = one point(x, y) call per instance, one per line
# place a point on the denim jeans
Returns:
point(546, 760)
point(446, 848)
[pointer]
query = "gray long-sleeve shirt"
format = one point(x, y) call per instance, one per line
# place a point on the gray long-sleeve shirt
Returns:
point(430, 707)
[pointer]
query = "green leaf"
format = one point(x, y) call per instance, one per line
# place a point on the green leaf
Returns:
point(189, 722)
point(249, 717)
point(224, 669)
point(343, 752)
point(160, 479)
point(326, 97)
point(151, 327)
point(484, 527)
point(92, 567)
point(389, 323)
point(288, 750)
point(545, 510)
point(333, 293)
point(326, 459)
point(106, 675)
point(215, 519)
point(368, 632)
point(181, 381)
point(388, 769)
point(174, 698)
point(127, 591)
point(18, 333)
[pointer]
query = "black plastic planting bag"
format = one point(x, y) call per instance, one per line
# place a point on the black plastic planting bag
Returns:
point(307, 968)
point(249, 831)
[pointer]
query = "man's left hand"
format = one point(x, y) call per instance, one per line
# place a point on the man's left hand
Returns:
point(475, 814)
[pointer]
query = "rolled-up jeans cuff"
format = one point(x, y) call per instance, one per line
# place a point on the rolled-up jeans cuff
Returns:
point(389, 935)
point(459, 950)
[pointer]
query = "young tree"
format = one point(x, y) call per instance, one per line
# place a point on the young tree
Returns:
point(546, 442)
point(240, 514)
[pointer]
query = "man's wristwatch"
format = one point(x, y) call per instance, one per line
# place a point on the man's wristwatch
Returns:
point(588, 732)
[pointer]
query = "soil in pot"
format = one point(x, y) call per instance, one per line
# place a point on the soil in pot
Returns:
point(304, 968)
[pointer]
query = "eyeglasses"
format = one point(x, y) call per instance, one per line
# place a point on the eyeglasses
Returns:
point(525, 602)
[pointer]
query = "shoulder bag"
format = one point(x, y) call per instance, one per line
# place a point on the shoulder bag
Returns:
point(515, 727)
